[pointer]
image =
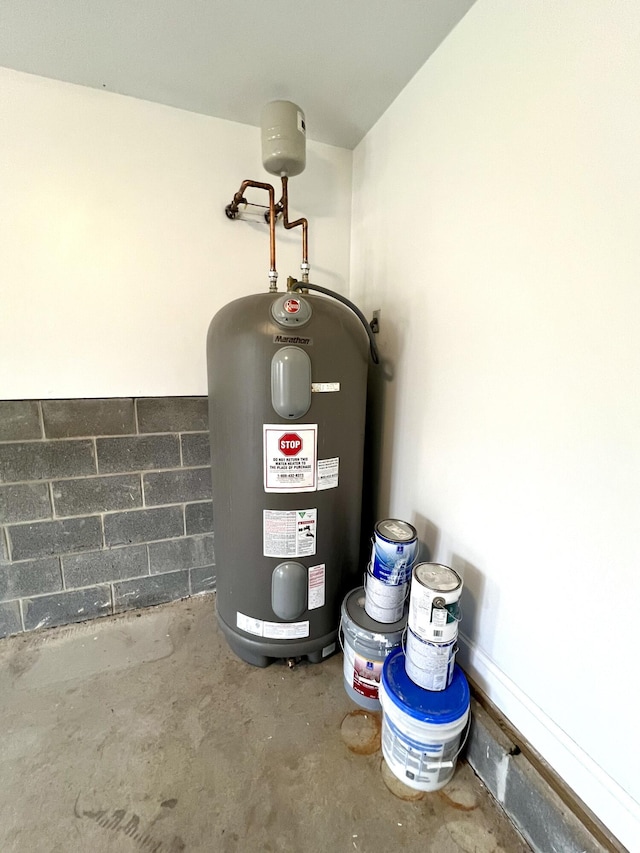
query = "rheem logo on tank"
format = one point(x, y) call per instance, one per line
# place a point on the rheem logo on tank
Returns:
point(292, 306)
point(290, 458)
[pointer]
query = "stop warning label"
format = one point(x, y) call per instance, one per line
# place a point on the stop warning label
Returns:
point(290, 458)
point(290, 444)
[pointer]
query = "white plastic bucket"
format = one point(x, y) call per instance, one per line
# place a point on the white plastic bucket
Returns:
point(366, 644)
point(384, 602)
point(434, 610)
point(430, 665)
point(422, 732)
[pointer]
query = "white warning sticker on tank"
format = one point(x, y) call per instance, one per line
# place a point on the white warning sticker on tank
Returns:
point(315, 596)
point(324, 387)
point(328, 473)
point(249, 625)
point(289, 533)
point(286, 630)
point(272, 630)
point(290, 456)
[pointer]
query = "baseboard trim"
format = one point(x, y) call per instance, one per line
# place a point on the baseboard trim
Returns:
point(574, 777)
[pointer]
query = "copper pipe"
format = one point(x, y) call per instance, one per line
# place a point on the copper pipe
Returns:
point(283, 205)
point(232, 210)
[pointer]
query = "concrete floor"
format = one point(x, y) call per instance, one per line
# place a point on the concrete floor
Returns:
point(143, 733)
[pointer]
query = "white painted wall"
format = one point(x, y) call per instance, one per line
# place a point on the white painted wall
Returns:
point(495, 223)
point(115, 251)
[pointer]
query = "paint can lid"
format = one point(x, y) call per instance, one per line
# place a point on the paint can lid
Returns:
point(394, 530)
point(436, 707)
point(357, 623)
point(437, 577)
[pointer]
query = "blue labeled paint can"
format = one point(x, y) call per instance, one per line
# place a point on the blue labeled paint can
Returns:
point(395, 548)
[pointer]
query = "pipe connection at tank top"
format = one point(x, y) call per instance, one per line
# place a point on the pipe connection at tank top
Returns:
point(283, 207)
point(283, 130)
point(306, 286)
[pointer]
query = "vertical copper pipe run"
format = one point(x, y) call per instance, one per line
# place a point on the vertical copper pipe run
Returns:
point(238, 199)
point(283, 205)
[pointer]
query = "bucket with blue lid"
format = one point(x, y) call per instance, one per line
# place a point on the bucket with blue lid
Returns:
point(423, 731)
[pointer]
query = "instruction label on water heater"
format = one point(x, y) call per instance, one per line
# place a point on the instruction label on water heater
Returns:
point(272, 630)
point(290, 457)
point(315, 596)
point(328, 473)
point(289, 533)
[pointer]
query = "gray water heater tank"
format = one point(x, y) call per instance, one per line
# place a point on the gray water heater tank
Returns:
point(287, 392)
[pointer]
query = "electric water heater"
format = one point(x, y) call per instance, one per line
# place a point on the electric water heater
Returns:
point(287, 392)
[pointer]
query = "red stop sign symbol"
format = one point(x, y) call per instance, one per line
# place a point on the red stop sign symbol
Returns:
point(290, 444)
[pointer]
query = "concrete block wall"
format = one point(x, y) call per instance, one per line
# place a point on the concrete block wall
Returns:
point(544, 820)
point(105, 505)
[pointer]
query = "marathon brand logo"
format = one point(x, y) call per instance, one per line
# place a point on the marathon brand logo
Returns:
point(292, 339)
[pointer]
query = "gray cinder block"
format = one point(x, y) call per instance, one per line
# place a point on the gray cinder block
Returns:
point(181, 554)
point(198, 517)
point(10, 619)
point(143, 525)
point(487, 750)
point(19, 420)
point(527, 798)
point(103, 566)
point(46, 538)
point(172, 414)
point(31, 577)
point(137, 453)
point(97, 494)
point(146, 592)
point(196, 449)
point(45, 460)
point(78, 605)
point(24, 502)
point(540, 815)
point(165, 487)
point(68, 418)
point(203, 579)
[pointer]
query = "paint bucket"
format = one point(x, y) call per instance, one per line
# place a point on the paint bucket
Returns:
point(430, 665)
point(395, 548)
point(366, 644)
point(434, 610)
point(384, 602)
point(422, 732)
